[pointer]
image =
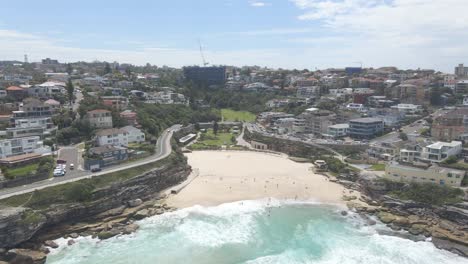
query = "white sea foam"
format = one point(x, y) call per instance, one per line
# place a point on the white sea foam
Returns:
point(261, 231)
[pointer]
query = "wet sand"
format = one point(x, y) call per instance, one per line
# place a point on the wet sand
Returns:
point(229, 176)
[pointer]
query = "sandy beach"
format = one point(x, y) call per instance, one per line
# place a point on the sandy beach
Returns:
point(229, 176)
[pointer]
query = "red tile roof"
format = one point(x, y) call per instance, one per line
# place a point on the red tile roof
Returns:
point(14, 88)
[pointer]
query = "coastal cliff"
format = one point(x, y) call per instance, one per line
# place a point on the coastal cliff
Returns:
point(19, 224)
point(446, 224)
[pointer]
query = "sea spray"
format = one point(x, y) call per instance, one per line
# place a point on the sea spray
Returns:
point(261, 231)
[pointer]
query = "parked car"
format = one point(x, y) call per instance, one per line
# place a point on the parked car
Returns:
point(95, 169)
point(72, 166)
point(59, 173)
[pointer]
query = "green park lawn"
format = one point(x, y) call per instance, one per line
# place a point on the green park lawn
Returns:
point(232, 115)
point(23, 170)
point(378, 167)
point(209, 140)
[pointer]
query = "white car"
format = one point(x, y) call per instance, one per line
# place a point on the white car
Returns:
point(59, 173)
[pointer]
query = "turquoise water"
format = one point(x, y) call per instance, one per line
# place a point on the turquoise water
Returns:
point(253, 232)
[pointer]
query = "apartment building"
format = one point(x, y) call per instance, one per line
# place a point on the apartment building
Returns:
point(365, 128)
point(461, 71)
point(317, 121)
point(461, 87)
point(26, 127)
point(308, 91)
point(451, 126)
point(434, 174)
point(99, 118)
point(338, 130)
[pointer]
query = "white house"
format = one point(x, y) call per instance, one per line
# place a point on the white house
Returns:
point(440, 151)
point(356, 107)
point(19, 146)
point(408, 108)
point(134, 134)
point(112, 136)
point(47, 89)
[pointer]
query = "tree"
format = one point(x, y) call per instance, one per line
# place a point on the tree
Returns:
point(403, 136)
point(69, 69)
point(215, 128)
point(107, 68)
point(70, 91)
point(128, 71)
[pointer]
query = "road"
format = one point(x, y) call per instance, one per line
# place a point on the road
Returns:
point(163, 149)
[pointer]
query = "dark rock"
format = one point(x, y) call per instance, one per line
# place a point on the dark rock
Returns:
point(107, 234)
point(456, 248)
point(141, 214)
point(135, 203)
point(131, 228)
point(71, 242)
point(344, 213)
point(27, 255)
point(371, 222)
point(74, 235)
point(50, 243)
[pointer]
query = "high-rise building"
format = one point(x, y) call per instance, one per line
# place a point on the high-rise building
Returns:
point(205, 75)
point(461, 70)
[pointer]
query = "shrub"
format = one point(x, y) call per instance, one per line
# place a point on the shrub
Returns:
point(79, 192)
point(429, 193)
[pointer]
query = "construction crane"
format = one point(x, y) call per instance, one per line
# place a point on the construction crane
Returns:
point(205, 63)
point(358, 62)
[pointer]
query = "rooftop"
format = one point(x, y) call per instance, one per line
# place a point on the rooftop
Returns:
point(367, 120)
point(440, 144)
point(104, 149)
point(110, 131)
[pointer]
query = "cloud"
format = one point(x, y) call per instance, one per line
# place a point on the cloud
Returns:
point(417, 32)
point(256, 3)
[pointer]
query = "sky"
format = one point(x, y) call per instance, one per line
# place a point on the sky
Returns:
point(273, 33)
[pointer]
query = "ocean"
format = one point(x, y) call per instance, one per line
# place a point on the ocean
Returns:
point(261, 231)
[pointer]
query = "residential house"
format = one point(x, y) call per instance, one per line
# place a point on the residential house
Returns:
point(54, 104)
point(434, 174)
point(365, 128)
point(104, 156)
point(116, 102)
point(134, 135)
point(16, 92)
point(440, 151)
point(409, 109)
point(24, 145)
point(112, 136)
point(130, 117)
point(47, 90)
point(99, 118)
point(385, 150)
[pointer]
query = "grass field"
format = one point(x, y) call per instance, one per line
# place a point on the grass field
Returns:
point(378, 167)
point(209, 140)
point(232, 115)
point(24, 170)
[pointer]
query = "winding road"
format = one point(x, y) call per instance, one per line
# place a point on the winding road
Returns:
point(163, 149)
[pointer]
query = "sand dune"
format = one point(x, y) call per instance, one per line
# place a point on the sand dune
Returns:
point(228, 176)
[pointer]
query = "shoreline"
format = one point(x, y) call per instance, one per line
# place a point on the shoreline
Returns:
point(230, 176)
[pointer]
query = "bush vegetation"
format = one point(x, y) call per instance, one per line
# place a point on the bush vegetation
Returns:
point(429, 193)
